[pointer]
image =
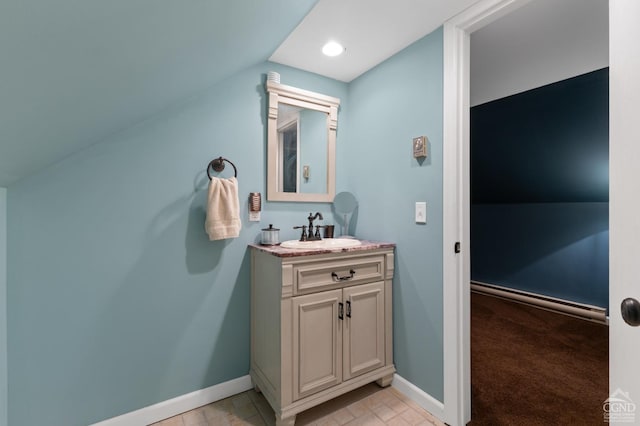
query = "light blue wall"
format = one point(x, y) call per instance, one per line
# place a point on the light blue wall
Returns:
point(3, 306)
point(117, 300)
point(391, 104)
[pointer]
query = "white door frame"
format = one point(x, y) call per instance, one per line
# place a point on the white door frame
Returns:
point(456, 203)
point(624, 230)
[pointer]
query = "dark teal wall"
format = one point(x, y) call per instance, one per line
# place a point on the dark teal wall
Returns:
point(539, 180)
point(549, 144)
point(556, 249)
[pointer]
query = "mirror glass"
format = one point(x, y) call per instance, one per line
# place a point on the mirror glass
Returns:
point(301, 144)
point(302, 150)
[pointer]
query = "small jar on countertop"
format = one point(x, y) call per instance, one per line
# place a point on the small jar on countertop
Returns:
point(270, 236)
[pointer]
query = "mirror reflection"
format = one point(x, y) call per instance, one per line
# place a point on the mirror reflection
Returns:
point(301, 144)
point(302, 150)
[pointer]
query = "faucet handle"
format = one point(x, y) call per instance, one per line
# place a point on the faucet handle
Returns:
point(318, 231)
point(303, 237)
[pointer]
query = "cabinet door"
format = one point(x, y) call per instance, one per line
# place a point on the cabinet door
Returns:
point(317, 342)
point(364, 327)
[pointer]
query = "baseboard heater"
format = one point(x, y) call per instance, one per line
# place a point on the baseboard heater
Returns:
point(589, 312)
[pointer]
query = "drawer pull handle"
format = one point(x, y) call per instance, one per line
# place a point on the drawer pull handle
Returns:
point(345, 278)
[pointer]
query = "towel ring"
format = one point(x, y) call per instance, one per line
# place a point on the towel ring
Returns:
point(217, 164)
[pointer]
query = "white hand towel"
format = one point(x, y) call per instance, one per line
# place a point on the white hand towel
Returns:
point(223, 209)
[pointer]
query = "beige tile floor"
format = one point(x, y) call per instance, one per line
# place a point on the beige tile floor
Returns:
point(367, 406)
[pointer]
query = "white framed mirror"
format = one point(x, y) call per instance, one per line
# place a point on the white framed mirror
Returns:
point(301, 144)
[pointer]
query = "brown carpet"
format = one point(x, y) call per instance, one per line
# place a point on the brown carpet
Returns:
point(534, 367)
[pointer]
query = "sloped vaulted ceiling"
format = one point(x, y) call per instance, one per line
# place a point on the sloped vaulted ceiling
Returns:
point(75, 71)
point(72, 72)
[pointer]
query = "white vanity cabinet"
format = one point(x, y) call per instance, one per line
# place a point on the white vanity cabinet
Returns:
point(320, 324)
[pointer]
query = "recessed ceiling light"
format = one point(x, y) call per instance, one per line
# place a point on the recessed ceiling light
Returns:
point(332, 48)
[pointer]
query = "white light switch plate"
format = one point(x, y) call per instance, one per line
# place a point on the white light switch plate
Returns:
point(421, 212)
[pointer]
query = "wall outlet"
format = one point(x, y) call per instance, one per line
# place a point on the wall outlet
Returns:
point(421, 212)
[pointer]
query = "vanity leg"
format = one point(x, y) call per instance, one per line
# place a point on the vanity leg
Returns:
point(385, 381)
point(288, 421)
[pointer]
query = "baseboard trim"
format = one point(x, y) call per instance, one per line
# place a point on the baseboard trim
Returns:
point(419, 396)
point(553, 304)
point(172, 407)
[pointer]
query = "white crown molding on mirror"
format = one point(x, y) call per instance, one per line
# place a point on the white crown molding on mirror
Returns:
point(282, 94)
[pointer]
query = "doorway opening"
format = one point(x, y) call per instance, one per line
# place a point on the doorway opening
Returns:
point(458, 101)
point(539, 254)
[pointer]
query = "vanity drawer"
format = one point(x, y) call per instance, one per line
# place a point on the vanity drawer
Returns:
point(317, 276)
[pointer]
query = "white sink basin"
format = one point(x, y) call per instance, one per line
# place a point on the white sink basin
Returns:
point(328, 243)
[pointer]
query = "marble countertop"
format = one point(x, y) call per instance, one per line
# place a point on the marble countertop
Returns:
point(286, 252)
